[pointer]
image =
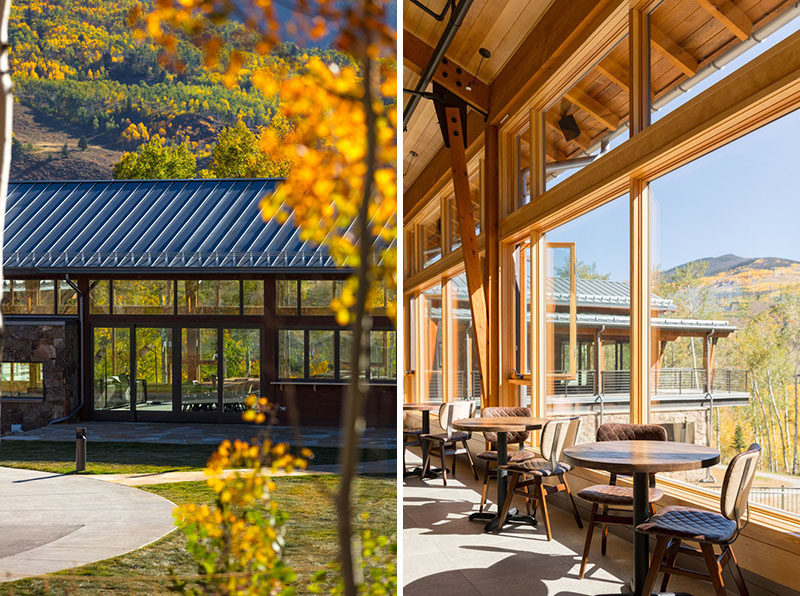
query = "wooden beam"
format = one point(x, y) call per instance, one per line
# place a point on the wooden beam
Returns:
point(490, 174)
point(639, 52)
point(469, 244)
point(731, 17)
point(597, 110)
point(613, 71)
point(673, 51)
point(640, 301)
point(417, 54)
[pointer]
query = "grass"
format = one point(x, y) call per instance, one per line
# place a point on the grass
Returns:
point(58, 457)
point(310, 539)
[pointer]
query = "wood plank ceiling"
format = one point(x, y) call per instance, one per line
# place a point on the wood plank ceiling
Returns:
point(686, 35)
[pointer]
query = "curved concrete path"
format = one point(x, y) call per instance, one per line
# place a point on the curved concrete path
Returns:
point(50, 522)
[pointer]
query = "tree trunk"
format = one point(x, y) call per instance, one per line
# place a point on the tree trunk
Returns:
point(6, 111)
point(777, 420)
point(766, 424)
point(353, 415)
point(796, 413)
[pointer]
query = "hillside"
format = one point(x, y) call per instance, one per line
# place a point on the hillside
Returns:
point(79, 70)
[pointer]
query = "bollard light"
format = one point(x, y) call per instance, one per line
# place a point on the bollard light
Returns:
point(80, 449)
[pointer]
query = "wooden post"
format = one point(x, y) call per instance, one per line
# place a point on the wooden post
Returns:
point(490, 174)
point(639, 88)
point(469, 242)
point(640, 300)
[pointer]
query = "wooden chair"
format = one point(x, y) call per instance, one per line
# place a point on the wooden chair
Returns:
point(557, 435)
point(612, 497)
point(490, 455)
point(672, 525)
point(446, 443)
point(411, 438)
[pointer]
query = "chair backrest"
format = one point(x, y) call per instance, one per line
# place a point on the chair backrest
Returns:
point(500, 412)
point(454, 410)
point(736, 486)
point(557, 435)
point(614, 431)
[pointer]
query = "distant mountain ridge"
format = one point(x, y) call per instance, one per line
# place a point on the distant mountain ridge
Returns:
point(730, 262)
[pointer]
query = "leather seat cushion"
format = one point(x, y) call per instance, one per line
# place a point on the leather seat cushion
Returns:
point(537, 467)
point(688, 523)
point(608, 494)
point(513, 456)
point(443, 438)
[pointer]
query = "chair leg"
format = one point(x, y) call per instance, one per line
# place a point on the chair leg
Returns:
point(542, 499)
point(471, 461)
point(655, 564)
point(604, 539)
point(426, 461)
point(485, 488)
point(444, 464)
point(527, 500)
point(512, 485)
point(588, 544)
point(575, 511)
point(672, 555)
point(454, 460)
point(738, 578)
point(713, 568)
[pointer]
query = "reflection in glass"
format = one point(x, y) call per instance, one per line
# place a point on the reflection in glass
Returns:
point(241, 349)
point(67, 299)
point(466, 378)
point(523, 167)
point(112, 374)
point(153, 369)
point(430, 352)
point(98, 297)
point(207, 297)
point(29, 296)
point(143, 297)
point(382, 355)
point(321, 360)
point(253, 290)
point(286, 297)
point(22, 380)
point(291, 350)
point(431, 231)
point(199, 371)
point(316, 296)
point(345, 347)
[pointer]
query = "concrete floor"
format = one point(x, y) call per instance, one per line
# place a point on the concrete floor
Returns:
point(50, 522)
point(445, 553)
point(185, 433)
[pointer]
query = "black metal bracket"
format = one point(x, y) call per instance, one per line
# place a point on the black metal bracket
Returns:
point(443, 98)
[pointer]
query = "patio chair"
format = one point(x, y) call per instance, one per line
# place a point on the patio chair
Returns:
point(411, 438)
point(557, 435)
point(489, 456)
point(612, 497)
point(672, 525)
point(446, 443)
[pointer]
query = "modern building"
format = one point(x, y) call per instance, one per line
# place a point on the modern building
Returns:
point(172, 300)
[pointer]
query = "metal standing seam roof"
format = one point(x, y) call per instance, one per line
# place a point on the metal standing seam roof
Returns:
point(151, 227)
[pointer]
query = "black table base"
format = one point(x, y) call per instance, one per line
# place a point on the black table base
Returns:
point(513, 516)
point(432, 472)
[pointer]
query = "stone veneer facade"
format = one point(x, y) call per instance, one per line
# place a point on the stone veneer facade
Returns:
point(56, 345)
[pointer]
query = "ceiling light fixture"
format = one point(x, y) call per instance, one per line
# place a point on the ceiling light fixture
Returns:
point(485, 55)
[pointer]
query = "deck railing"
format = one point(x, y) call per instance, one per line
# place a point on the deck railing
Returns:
point(668, 381)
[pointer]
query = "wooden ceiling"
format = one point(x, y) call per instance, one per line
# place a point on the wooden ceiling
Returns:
point(497, 25)
point(686, 35)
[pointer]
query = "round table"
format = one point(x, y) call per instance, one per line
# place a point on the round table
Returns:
point(426, 407)
point(502, 426)
point(640, 459)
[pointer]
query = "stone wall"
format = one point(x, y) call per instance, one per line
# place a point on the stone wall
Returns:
point(56, 346)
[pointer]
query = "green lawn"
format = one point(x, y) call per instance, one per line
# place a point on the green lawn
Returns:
point(134, 458)
point(310, 539)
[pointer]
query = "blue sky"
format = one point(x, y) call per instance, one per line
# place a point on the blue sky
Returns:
point(743, 198)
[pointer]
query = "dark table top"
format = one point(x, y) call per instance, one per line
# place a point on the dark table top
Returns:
point(627, 457)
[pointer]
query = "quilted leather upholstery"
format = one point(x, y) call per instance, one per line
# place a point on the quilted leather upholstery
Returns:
point(687, 523)
point(538, 467)
point(513, 437)
point(606, 494)
point(513, 456)
point(443, 437)
point(631, 432)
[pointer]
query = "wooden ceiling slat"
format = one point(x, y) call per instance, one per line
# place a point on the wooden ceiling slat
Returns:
point(730, 16)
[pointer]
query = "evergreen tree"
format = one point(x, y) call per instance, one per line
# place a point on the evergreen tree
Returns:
point(83, 144)
point(65, 150)
point(738, 442)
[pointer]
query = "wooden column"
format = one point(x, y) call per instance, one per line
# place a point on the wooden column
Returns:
point(490, 174)
point(538, 324)
point(640, 300)
point(469, 242)
point(639, 88)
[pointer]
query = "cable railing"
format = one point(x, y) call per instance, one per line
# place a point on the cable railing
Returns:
point(785, 498)
point(667, 381)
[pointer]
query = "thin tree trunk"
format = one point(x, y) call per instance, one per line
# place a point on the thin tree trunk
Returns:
point(796, 413)
point(766, 424)
point(353, 418)
point(6, 112)
point(777, 420)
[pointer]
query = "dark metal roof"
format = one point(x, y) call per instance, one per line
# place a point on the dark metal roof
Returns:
point(150, 227)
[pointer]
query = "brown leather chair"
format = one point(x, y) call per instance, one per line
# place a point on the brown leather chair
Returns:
point(557, 435)
point(490, 455)
point(612, 497)
point(672, 525)
point(446, 443)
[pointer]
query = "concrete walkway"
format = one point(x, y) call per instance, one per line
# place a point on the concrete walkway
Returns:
point(50, 522)
point(186, 433)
